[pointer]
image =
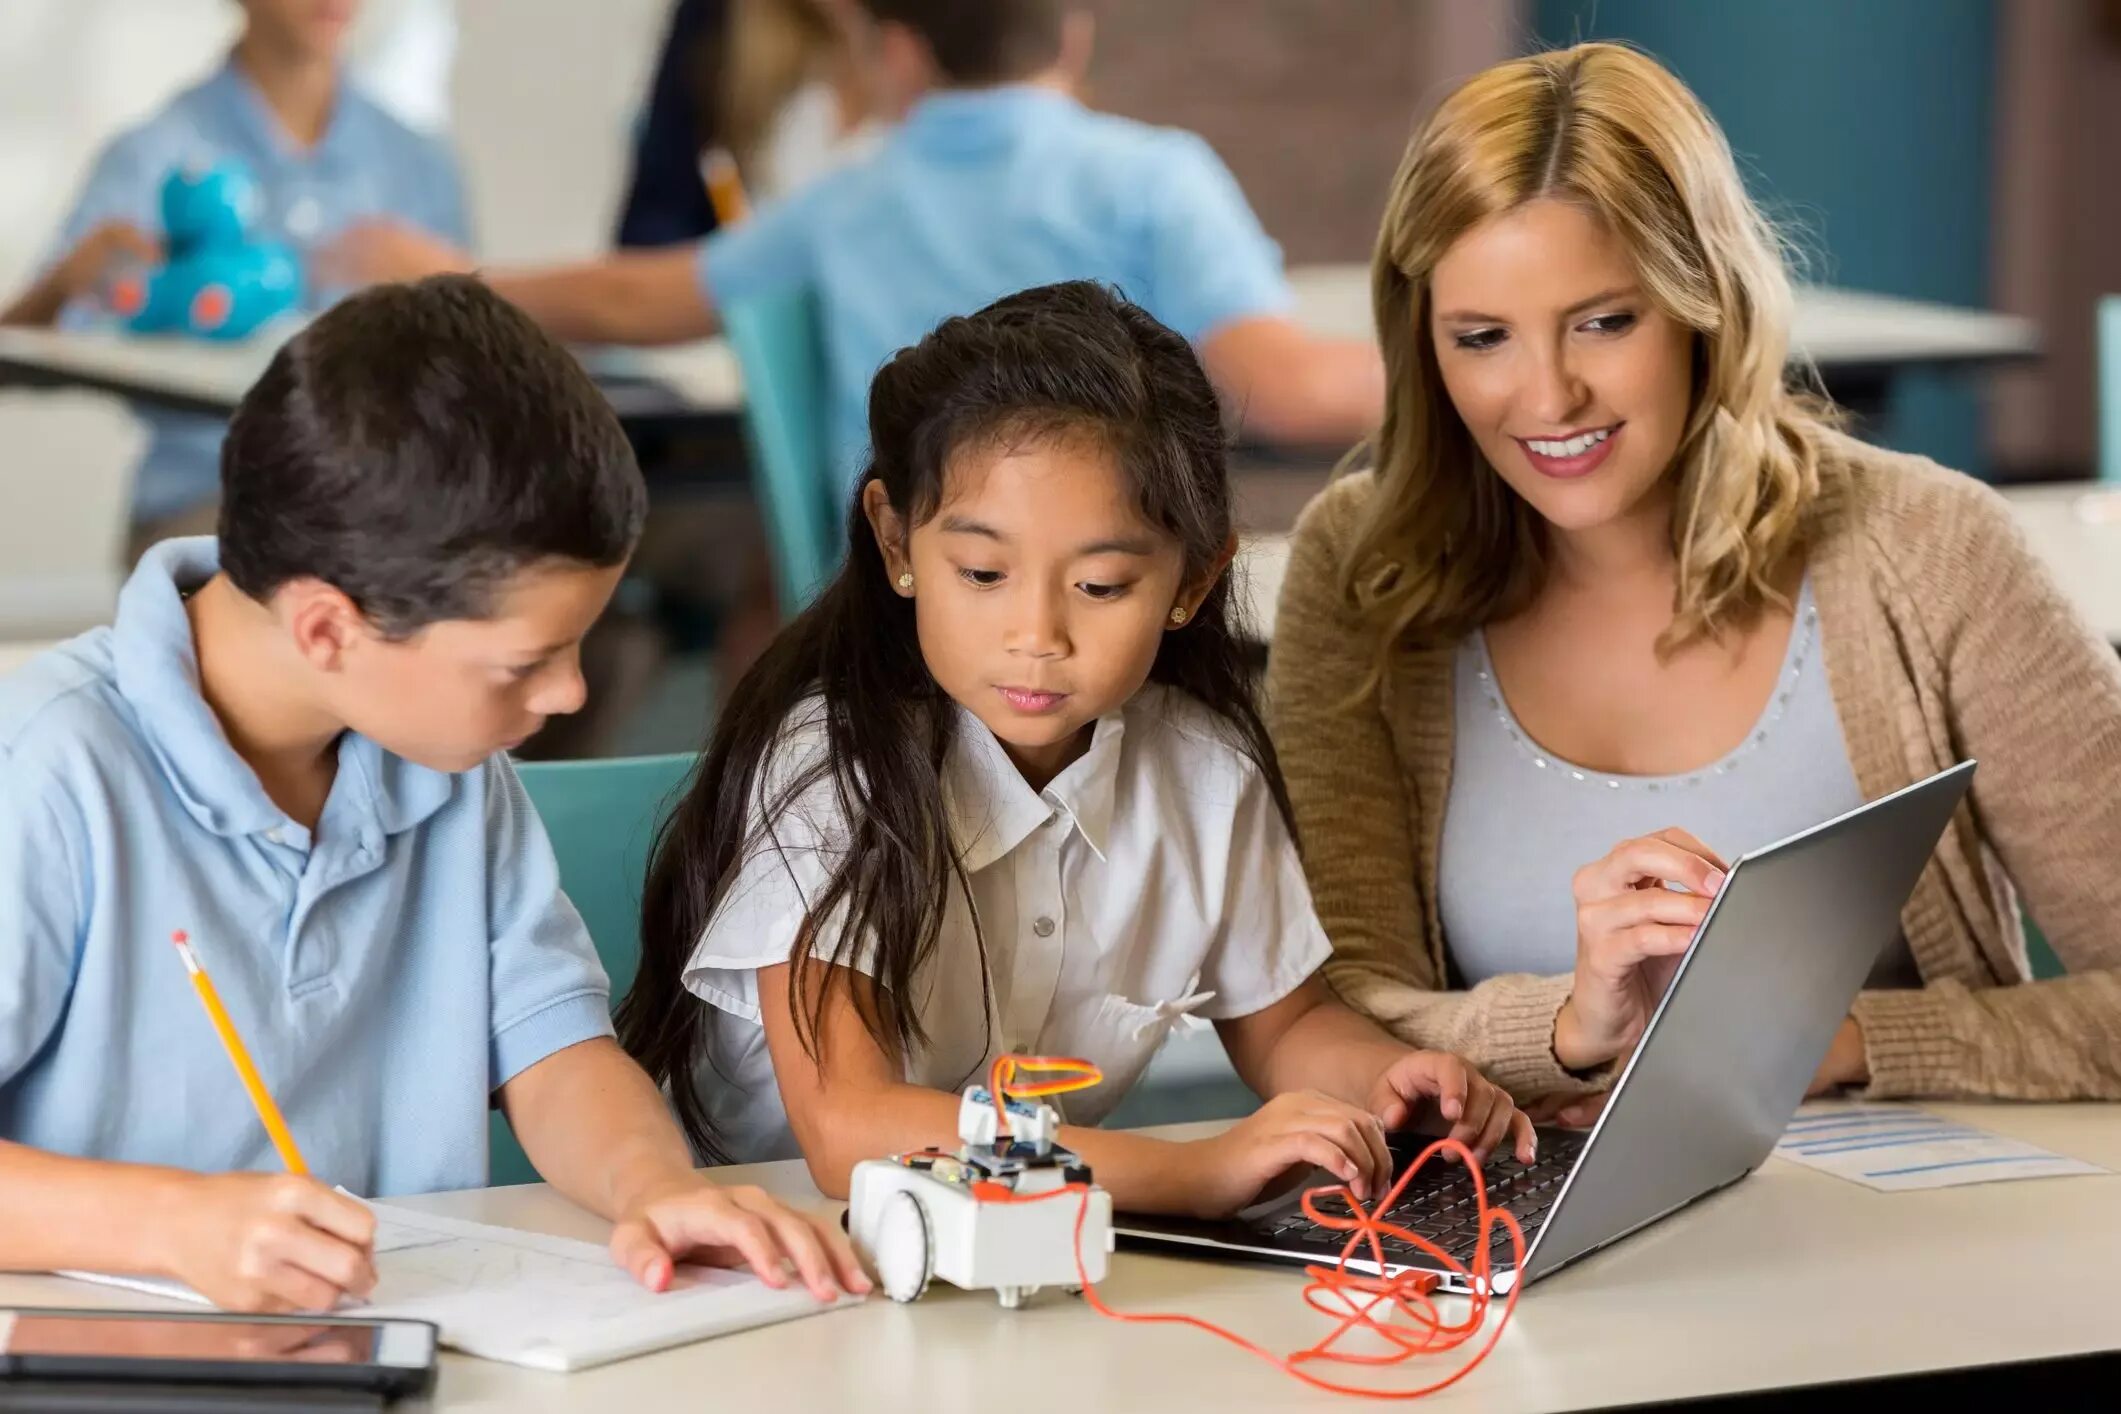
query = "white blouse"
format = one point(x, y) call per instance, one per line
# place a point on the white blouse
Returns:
point(1151, 885)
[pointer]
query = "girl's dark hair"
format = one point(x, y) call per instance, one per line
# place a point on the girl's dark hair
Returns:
point(1068, 360)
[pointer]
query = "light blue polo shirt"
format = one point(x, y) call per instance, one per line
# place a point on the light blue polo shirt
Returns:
point(984, 192)
point(367, 166)
point(387, 973)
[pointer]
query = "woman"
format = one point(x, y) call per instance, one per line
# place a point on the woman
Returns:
point(1610, 574)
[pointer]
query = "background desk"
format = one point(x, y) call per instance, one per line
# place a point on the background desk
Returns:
point(1853, 337)
point(1858, 341)
point(1789, 1277)
point(656, 388)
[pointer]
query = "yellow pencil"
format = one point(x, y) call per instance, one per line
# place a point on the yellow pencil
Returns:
point(725, 186)
point(260, 1098)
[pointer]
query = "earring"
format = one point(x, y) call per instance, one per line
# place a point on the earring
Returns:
point(905, 581)
point(1179, 616)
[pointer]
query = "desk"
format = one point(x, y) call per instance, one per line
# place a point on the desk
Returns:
point(1847, 333)
point(1858, 341)
point(1788, 1277)
point(2074, 529)
point(1836, 329)
point(659, 388)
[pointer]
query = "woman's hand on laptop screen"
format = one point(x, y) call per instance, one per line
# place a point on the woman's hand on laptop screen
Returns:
point(1631, 929)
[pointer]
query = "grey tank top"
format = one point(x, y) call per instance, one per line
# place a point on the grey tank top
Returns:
point(1519, 821)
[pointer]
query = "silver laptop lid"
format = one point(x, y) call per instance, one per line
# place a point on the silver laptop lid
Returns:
point(1732, 1047)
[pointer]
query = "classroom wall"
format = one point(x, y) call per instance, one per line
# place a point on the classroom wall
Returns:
point(1866, 129)
point(1311, 104)
point(2058, 207)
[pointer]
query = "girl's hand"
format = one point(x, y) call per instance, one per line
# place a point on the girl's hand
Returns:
point(693, 1219)
point(1630, 933)
point(1282, 1140)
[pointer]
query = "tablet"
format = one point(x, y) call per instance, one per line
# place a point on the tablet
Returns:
point(386, 1357)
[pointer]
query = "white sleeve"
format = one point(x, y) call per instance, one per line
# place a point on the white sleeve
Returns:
point(1268, 940)
point(784, 871)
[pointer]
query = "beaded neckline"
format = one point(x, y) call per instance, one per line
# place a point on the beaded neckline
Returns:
point(1804, 636)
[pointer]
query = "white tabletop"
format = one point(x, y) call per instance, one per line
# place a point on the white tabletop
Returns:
point(1832, 327)
point(702, 375)
point(1790, 1276)
point(2074, 529)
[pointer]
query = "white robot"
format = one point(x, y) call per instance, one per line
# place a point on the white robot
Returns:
point(964, 1217)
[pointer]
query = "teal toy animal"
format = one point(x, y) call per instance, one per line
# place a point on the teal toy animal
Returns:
point(218, 281)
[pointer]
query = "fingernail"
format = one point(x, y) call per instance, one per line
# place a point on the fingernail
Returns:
point(1451, 1109)
point(1715, 880)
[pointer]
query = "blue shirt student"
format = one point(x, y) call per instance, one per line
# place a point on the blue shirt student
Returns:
point(984, 192)
point(367, 166)
point(388, 973)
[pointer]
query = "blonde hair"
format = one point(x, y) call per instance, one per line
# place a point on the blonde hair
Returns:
point(1446, 546)
point(775, 47)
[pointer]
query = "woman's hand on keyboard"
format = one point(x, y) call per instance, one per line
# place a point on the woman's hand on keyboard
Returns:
point(1481, 1114)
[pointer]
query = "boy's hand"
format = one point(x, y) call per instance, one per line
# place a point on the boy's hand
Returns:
point(85, 268)
point(1481, 1113)
point(1291, 1132)
point(270, 1242)
point(385, 252)
point(696, 1220)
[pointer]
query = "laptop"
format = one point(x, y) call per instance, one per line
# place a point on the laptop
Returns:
point(1723, 1064)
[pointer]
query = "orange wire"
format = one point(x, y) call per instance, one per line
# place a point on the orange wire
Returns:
point(1357, 1296)
point(1350, 1298)
point(1075, 1074)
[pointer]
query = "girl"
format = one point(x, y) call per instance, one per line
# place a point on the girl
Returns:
point(1004, 789)
point(1611, 575)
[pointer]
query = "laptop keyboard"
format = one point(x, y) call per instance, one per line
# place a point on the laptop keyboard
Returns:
point(1438, 1203)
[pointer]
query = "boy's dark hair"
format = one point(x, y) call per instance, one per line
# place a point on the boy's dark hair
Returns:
point(1061, 362)
point(982, 41)
point(417, 446)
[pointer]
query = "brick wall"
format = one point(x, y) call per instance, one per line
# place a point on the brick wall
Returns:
point(1309, 101)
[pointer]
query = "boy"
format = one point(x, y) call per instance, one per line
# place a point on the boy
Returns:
point(997, 180)
point(323, 156)
point(288, 745)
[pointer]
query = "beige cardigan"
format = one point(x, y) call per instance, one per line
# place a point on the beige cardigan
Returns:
point(1945, 639)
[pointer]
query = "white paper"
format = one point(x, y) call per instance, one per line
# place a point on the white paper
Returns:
point(550, 1303)
point(1895, 1148)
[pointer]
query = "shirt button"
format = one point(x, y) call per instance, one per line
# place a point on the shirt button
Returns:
point(1043, 927)
point(272, 836)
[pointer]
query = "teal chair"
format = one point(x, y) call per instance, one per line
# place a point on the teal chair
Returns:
point(602, 817)
point(2110, 389)
point(780, 346)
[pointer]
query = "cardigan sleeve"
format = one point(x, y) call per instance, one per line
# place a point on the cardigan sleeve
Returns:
point(2035, 697)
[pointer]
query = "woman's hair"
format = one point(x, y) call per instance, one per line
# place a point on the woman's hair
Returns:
point(1071, 362)
point(1446, 545)
point(771, 49)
